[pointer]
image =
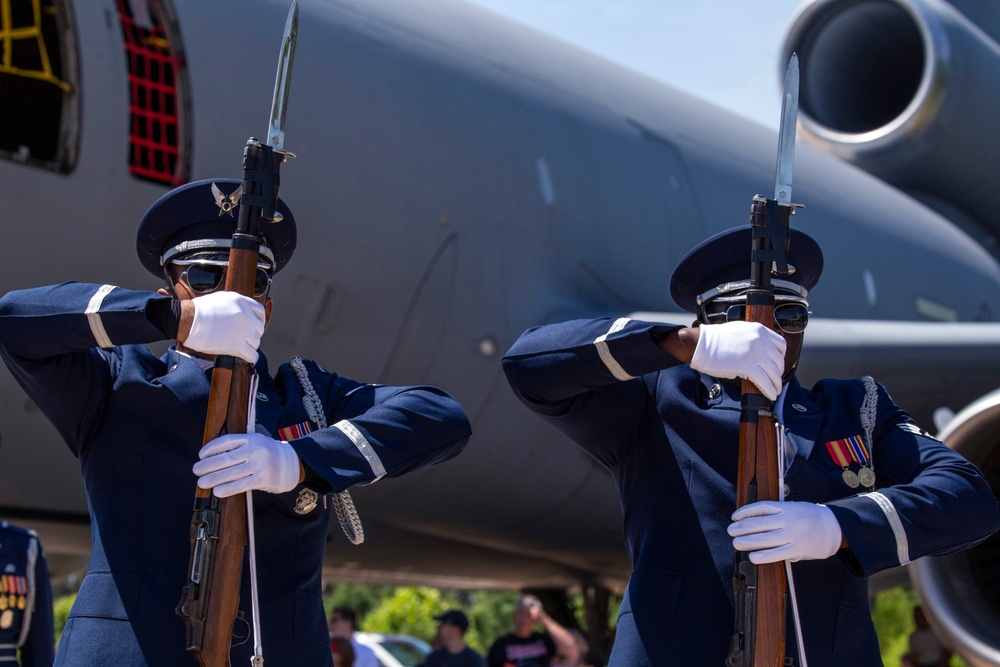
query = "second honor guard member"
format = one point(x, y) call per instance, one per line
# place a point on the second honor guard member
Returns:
point(135, 421)
point(26, 624)
point(656, 405)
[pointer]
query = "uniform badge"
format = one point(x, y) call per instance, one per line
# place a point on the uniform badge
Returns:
point(910, 427)
point(798, 407)
point(306, 502)
point(226, 203)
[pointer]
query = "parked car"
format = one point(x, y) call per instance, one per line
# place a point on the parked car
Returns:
point(395, 650)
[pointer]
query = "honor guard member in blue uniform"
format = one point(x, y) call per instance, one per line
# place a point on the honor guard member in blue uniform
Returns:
point(135, 421)
point(656, 405)
point(26, 626)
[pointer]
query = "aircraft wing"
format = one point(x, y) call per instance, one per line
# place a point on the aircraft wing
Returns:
point(924, 365)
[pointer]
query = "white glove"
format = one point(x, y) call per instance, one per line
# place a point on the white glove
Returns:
point(791, 531)
point(226, 323)
point(746, 350)
point(241, 462)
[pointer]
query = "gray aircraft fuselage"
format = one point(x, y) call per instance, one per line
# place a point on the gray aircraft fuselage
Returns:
point(460, 179)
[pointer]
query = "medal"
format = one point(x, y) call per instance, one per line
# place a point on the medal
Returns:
point(6, 619)
point(852, 450)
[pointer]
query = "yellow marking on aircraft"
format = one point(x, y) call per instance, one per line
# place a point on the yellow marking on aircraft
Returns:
point(7, 36)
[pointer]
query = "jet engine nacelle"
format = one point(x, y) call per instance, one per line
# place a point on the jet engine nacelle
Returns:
point(961, 592)
point(907, 90)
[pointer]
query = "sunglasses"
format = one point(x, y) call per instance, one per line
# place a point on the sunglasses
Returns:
point(205, 278)
point(791, 318)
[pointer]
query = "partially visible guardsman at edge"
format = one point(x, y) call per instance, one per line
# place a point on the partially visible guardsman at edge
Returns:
point(135, 421)
point(867, 488)
point(26, 625)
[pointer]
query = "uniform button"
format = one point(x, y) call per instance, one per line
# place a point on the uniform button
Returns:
point(715, 391)
point(785, 491)
point(172, 368)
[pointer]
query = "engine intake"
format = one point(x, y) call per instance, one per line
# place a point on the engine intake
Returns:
point(908, 90)
point(961, 592)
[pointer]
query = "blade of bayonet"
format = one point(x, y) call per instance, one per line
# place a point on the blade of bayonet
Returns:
point(786, 134)
point(283, 80)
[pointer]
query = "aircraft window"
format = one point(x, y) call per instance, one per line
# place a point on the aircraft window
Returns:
point(158, 106)
point(39, 105)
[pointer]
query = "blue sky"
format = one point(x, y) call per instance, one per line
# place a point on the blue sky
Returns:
point(723, 51)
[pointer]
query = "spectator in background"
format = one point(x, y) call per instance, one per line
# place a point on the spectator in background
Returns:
point(453, 651)
point(25, 600)
point(343, 653)
point(343, 625)
point(526, 648)
point(926, 650)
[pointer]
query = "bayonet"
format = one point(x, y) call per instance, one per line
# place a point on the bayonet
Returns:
point(786, 134)
point(283, 80)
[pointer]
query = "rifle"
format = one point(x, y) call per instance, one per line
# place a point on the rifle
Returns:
point(761, 590)
point(219, 529)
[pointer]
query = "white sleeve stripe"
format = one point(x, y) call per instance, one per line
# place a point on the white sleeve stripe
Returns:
point(902, 546)
point(606, 357)
point(359, 440)
point(94, 316)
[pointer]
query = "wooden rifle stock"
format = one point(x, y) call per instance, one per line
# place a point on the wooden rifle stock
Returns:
point(210, 600)
point(760, 590)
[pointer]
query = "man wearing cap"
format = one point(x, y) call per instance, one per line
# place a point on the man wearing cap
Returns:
point(451, 629)
point(135, 421)
point(659, 407)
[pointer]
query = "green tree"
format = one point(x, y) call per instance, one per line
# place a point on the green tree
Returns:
point(60, 612)
point(409, 611)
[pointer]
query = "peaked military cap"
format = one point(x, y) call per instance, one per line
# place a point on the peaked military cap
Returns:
point(720, 263)
point(202, 216)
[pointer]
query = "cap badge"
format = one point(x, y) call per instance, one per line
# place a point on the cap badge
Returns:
point(226, 203)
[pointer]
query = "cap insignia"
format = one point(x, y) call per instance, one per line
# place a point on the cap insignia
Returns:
point(226, 203)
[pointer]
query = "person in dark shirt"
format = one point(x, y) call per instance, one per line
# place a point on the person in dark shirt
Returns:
point(451, 629)
point(526, 648)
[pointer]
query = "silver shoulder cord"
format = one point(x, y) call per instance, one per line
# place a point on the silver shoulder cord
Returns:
point(29, 608)
point(780, 429)
point(343, 504)
point(257, 660)
point(868, 413)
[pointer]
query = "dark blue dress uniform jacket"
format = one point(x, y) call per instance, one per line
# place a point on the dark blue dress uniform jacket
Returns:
point(25, 600)
point(135, 421)
point(671, 444)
